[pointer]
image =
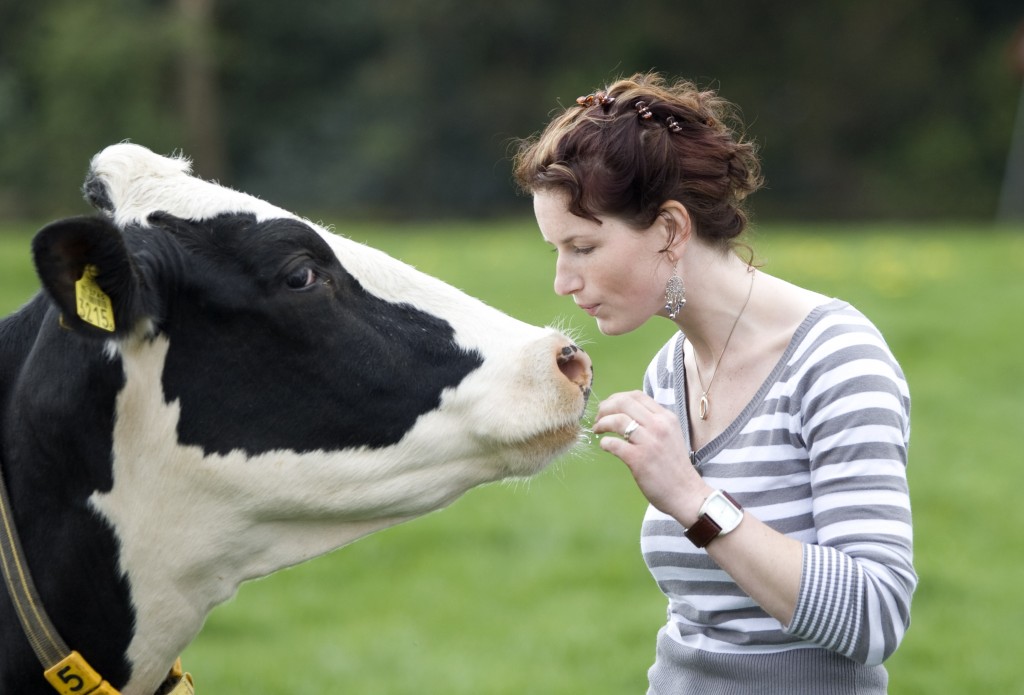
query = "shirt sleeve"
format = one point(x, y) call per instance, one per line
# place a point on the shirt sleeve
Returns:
point(858, 578)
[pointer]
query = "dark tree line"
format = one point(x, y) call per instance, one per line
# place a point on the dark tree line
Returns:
point(894, 108)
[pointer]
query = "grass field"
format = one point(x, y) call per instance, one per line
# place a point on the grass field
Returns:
point(538, 587)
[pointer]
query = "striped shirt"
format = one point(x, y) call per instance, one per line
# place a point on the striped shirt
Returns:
point(820, 455)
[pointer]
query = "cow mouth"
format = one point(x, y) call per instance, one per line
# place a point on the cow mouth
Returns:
point(553, 442)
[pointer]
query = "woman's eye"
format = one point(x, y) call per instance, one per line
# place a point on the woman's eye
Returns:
point(301, 279)
point(577, 250)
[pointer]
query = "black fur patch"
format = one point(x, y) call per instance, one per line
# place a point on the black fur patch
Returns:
point(259, 364)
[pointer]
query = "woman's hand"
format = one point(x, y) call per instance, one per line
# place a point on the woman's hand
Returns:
point(766, 564)
point(655, 452)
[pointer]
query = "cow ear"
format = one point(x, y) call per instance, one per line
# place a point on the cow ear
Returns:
point(85, 267)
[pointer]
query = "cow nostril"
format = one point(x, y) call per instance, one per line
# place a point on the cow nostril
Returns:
point(576, 366)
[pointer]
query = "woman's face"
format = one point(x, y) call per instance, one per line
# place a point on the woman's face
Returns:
point(615, 273)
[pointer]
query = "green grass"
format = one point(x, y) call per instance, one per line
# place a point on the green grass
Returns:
point(538, 587)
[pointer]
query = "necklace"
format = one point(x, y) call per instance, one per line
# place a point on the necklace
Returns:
point(705, 404)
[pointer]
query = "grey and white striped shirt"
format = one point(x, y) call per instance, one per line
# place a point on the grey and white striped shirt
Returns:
point(820, 455)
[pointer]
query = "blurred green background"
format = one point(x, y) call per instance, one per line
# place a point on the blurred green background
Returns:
point(889, 109)
point(887, 128)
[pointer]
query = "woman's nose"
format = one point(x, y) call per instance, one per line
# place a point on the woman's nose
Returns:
point(566, 282)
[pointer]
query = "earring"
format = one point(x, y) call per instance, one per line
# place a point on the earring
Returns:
point(675, 295)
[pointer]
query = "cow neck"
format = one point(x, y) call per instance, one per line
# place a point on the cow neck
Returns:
point(65, 669)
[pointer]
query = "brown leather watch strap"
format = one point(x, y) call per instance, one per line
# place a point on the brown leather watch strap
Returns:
point(704, 531)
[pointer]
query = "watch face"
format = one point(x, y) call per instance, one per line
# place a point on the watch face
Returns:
point(723, 512)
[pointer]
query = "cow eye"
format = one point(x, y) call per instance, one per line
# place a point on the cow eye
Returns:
point(301, 279)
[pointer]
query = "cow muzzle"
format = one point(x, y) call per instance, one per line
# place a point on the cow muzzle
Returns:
point(548, 403)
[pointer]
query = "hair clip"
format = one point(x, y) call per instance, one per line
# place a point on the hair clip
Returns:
point(673, 124)
point(600, 98)
point(643, 111)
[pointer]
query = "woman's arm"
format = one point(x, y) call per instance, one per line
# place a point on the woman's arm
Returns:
point(858, 578)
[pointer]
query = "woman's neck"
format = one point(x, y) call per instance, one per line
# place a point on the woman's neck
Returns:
point(720, 289)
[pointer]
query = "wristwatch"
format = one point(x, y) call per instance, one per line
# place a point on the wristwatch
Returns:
point(719, 515)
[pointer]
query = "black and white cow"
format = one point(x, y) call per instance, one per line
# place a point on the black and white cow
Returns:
point(269, 392)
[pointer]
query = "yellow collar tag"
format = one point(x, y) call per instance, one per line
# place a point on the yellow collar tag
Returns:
point(74, 676)
point(93, 304)
point(184, 686)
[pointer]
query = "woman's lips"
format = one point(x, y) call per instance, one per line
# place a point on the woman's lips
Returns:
point(589, 308)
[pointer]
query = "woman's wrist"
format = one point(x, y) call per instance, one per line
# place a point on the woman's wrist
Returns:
point(689, 504)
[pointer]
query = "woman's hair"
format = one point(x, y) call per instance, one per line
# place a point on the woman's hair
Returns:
point(626, 150)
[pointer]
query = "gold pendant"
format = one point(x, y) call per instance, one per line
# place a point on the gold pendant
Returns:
point(704, 406)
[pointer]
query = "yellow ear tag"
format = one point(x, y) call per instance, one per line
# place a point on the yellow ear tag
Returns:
point(93, 304)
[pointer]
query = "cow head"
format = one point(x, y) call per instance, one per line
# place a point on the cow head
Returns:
point(280, 390)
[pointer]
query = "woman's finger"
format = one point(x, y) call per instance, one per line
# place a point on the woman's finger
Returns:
point(616, 423)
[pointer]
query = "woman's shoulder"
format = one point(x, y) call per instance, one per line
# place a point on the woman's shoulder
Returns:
point(836, 322)
point(837, 342)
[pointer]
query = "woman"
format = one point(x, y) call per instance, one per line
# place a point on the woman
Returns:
point(771, 434)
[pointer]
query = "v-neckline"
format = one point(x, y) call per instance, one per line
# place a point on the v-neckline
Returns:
point(718, 442)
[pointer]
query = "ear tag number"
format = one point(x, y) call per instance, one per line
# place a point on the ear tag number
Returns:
point(93, 304)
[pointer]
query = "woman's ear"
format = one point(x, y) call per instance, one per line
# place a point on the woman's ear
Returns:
point(677, 227)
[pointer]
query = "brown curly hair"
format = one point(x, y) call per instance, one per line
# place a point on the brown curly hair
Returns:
point(626, 150)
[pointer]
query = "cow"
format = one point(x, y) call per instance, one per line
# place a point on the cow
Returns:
point(209, 388)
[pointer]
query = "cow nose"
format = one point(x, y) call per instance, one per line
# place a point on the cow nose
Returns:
point(576, 366)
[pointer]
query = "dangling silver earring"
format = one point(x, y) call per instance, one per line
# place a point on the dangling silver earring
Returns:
point(675, 295)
